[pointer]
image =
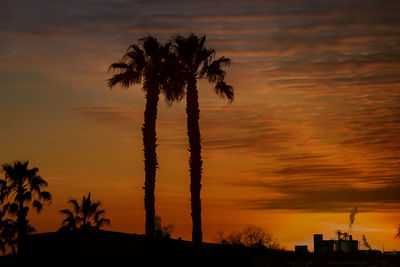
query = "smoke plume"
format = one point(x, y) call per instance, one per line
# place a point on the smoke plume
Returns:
point(365, 243)
point(353, 216)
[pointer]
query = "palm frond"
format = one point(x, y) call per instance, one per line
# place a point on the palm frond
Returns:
point(93, 208)
point(214, 71)
point(224, 91)
point(134, 47)
point(37, 205)
point(12, 171)
point(204, 55)
point(125, 79)
point(136, 58)
point(75, 205)
point(224, 61)
point(27, 196)
point(174, 90)
point(31, 173)
point(103, 222)
point(118, 65)
point(201, 42)
point(66, 212)
point(46, 196)
point(37, 182)
point(98, 214)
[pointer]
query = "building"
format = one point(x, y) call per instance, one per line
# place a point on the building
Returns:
point(322, 246)
point(344, 244)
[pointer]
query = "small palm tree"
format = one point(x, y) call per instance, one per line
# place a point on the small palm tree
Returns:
point(148, 62)
point(196, 61)
point(87, 216)
point(22, 186)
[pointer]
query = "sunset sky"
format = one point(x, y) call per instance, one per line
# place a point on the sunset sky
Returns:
point(314, 129)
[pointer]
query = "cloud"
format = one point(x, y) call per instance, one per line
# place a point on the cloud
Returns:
point(317, 170)
point(109, 116)
point(306, 196)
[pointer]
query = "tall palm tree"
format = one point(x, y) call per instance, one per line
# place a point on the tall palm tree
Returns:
point(196, 61)
point(87, 216)
point(148, 63)
point(23, 186)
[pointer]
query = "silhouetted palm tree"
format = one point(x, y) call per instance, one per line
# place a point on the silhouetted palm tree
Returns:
point(196, 61)
point(87, 216)
point(21, 186)
point(398, 233)
point(147, 62)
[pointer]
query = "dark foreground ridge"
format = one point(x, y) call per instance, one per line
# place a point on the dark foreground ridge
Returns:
point(106, 248)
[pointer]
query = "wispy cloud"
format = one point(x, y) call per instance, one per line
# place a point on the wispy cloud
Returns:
point(304, 195)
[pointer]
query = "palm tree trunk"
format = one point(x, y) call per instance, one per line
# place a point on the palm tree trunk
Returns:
point(150, 156)
point(195, 162)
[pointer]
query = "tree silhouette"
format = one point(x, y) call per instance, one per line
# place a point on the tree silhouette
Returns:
point(251, 236)
point(196, 61)
point(166, 230)
point(87, 216)
point(148, 62)
point(23, 186)
point(397, 236)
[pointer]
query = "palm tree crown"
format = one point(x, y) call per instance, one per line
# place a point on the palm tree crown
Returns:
point(149, 62)
point(196, 61)
point(86, 216)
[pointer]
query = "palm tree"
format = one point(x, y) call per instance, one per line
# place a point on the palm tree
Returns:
point(196, 61)
point(22, 186)
point(147, 62)
point(397, 236)
point(87, 216)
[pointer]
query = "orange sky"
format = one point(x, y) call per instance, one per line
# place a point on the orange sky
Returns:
point(314, 129)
